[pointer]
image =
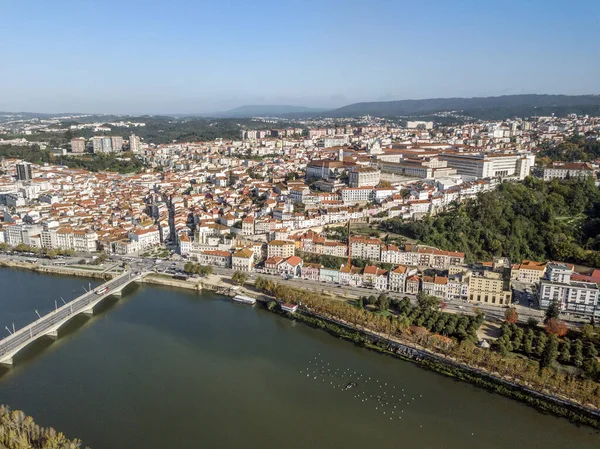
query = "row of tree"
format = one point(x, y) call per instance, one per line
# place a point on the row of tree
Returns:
point(19, 431)
point(457, 334)
point(548, 348)
point(42, 252)
point(194, 268)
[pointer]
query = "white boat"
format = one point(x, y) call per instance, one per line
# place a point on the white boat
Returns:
point(244, 299)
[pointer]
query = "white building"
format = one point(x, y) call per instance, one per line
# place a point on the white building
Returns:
point(364, 177)
point(580, 298)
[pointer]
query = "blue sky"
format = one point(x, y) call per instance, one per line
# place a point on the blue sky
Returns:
point(187, 56)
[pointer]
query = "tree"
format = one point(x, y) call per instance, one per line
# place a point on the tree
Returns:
point(511, 315)
point(23, 248)
point(565, 351)
point(557, 327)
point(427, 302)
point(383, 302)
point(532, 323)
point(517, 338)
point(51, 253)
point(577, 353)
point(540, 343)
point(502, 345)
point(204, 270)
point(589, 349)
point(361, 302)
point(553, 311)
point(239, 277)
point(528, 342)
point(189, 268)
point(550, 352)
point(587, 331)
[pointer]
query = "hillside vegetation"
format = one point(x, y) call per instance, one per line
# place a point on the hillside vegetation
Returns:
point(576, 149)
point(556, 220)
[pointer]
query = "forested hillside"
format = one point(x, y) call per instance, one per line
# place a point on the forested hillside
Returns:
point(575, 149)
point(556, 220)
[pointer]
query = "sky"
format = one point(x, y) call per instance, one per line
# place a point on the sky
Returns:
point(195, 56)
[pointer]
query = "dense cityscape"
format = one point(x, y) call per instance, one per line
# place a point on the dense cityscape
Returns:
point(278, 201)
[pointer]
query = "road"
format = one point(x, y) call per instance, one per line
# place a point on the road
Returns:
point(492, 313)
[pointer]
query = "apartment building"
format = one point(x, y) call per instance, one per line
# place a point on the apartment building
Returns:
point(357, 195)
point(365, 248)
point(280, 248)
point(397, 279)
point(78, 145)
point(435, 286)
point(243, 260)
point(248, 226)
point(528, 271)
point(146, 238)
point(391, 254)
point(216, 258)
point(580, 298)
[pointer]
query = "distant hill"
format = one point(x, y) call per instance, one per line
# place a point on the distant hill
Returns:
point(268, 111)
point(476, 106)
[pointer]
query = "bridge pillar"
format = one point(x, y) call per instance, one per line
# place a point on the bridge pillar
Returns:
point(118, 293)
point(88, 312)
point(7, 361)
point(52, 334)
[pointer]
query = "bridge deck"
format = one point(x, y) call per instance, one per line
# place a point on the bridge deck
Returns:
point(51, 322)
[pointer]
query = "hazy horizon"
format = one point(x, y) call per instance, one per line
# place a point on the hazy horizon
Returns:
point(193, 57)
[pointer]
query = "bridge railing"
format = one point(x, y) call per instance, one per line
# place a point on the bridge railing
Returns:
point(70, 305)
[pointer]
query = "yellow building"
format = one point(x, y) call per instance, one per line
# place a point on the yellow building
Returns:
point(488, 288)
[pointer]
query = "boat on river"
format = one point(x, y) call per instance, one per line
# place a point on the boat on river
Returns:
point(244, 299)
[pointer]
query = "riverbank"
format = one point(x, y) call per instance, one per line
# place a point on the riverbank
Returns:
point(64, 271)
point(545, 403)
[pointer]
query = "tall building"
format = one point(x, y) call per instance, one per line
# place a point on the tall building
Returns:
point(116, 144)
point(24, 172)
point(106, 144)
point(78, 145)
point(97, 144)
point(134, 143)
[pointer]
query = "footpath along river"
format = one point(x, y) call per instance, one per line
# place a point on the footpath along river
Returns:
point(170, 368)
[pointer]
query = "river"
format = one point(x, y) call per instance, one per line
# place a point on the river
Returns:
point(167, 368)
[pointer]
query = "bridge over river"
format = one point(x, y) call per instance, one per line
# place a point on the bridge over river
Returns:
point(49, 324)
